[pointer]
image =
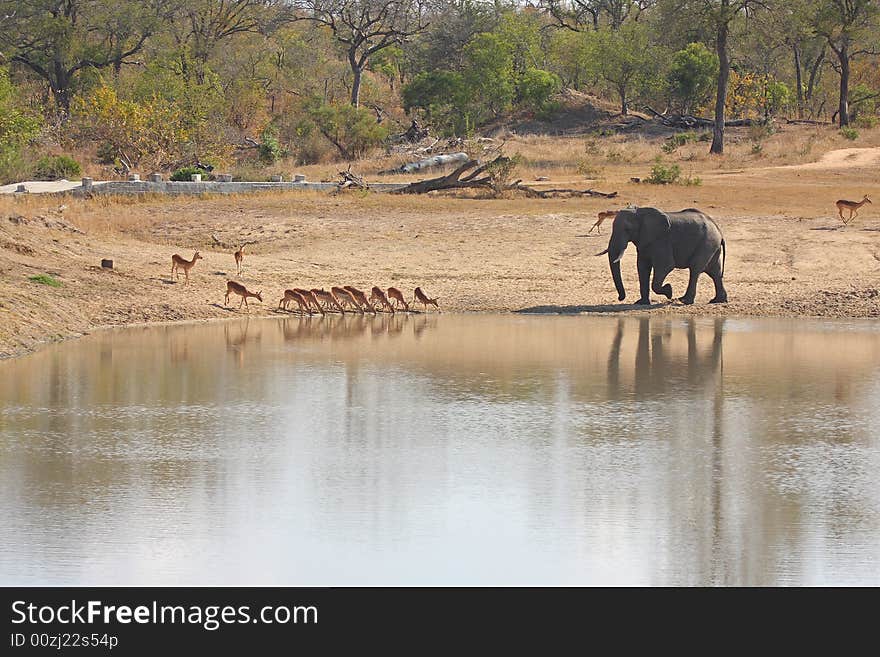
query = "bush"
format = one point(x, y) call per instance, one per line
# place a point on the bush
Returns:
point(45, 279)
point(535, 87)
point(270, 148)
point(664, 174)
point(676, 141)
point(867, 122)
point(57, 167)
point(185, 174)
point(849, 133)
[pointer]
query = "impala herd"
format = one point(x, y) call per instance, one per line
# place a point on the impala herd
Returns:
point(315, 300)
point(391, 300)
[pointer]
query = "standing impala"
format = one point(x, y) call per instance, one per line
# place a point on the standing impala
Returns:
point(237, 288)
point(178, 263)
point(852, 206)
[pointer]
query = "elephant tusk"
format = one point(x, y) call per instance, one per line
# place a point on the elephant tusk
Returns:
point(602, 252)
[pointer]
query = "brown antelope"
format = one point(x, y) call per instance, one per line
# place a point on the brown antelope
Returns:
point(239, 256)
point(605, 214)
point(423, 299)
point(237, 288)
point(328, 299)
point(310, 298)
point(852, 206)
point(292, 295)
point(376, 294)
point(397, 296)
point(343, 296)
point(360, 297)
point(178, 263)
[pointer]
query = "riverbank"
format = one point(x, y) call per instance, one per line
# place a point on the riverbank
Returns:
point(788, 254)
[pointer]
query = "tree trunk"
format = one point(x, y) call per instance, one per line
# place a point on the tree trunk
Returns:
point(60, 87)
point(721, 93)
point(843, 103)
point(357, 71)
point(798, 80)
point(624, 103)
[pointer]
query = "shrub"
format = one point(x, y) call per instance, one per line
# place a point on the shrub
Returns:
point(185, 174)
point(867, 122)
point(534, 88)
point(849, 133)
point(589, 170)
point(270, 148)
point(674, 142)
point(45, 279)
point(57, 167)
point(664, 174)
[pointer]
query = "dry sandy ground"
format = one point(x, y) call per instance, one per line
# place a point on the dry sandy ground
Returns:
point(787, 253)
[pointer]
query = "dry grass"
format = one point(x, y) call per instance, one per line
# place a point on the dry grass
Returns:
point(787, 253)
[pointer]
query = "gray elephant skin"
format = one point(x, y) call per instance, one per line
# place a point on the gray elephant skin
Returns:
point(688, 239)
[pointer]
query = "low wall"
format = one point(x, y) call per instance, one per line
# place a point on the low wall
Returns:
point(213, 187)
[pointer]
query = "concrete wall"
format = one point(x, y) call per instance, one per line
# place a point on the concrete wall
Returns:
point(213, 187)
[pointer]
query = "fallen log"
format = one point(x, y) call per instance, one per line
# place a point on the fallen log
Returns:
point(552, 193)
point(688, 121)
point(428, 163)
point(453, 180)
point(351, 180)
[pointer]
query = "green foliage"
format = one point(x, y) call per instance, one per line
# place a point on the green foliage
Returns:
point(18, 127)
point(624, 59)
point(353, 130)
point(270, 148)
point(56, 167)
point(849, 133)
point(535, 87)
point(664, 174)
point(691, 76)
point(443, 96)
point(45, 279)
point(489, 75)
point(185, 174)
point(674, 142)
point(501, 171)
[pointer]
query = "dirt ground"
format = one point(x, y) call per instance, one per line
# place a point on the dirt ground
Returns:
point(788, 254)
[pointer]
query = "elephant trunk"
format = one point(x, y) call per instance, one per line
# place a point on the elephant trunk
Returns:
point(614, 263)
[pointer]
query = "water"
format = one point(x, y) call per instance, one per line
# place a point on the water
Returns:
point(446, 450)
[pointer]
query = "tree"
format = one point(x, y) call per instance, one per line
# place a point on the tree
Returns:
point(845, 24)
point(205, 23)
point(578, 15)
point(59, 39)
point(364, 27)
point(622, 58)
point(691, 75)
point(719, 16)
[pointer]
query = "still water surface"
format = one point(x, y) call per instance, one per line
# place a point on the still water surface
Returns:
point(446, 450)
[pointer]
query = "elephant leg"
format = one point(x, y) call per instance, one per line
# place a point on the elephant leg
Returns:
point(644, 268)
point(714, 271)
point(660, 274)
point(691, 292)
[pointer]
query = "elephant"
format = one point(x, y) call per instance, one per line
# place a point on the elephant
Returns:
point(688, 239)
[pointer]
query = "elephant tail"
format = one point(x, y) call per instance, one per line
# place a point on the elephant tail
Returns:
point(723, 256)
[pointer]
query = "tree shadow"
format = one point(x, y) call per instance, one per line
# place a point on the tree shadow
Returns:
point(577, 310)
point(828, 228)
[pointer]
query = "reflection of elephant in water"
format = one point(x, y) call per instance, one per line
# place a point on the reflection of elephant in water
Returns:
point(665, 241)
point(657, 369)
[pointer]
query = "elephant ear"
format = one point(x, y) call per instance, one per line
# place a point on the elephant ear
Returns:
point(654, 225)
